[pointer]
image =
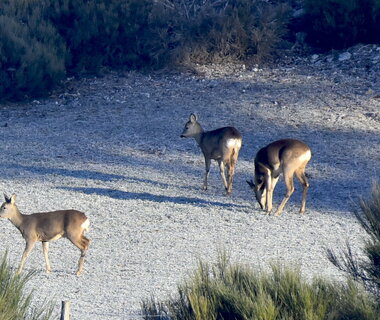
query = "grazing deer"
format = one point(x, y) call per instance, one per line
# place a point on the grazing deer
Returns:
point(47, 226)
point(222, 145)
point(287, 156)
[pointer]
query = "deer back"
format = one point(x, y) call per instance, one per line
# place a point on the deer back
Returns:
point(52, 225)
point(217, 143)
point(279, 153)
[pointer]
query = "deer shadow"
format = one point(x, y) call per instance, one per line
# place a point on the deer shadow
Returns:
point(145, 196)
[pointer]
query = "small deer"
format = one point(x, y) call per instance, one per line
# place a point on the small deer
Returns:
point(222, 145)
point(288, 156)
point(47, 226)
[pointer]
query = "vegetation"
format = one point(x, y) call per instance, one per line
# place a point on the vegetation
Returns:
point(227, 291)
point(14, 303)
point(32, 54)
point(42, 41)
point(242, 30)
point(364, 269)
point(341, 23)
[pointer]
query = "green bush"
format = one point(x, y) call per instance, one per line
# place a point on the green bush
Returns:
point(342, 23)
point(366, 270)
point(14, 303)
point(226, 291)
point(109, 33)
point(32, 54)
point(43, 40)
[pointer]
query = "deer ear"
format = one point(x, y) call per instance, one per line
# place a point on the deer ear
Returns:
point(251, 184)
point(7, 199)
point(13, 199)
point(193, 117)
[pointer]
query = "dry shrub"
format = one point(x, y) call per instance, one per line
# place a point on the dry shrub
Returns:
point(242, 30)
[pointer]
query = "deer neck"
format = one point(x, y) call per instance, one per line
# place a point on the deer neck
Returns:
point(17, 218)
point(199, 136)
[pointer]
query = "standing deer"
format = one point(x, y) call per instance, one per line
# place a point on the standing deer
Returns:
point(287, 156)
point(222, 145)
point(47, 226)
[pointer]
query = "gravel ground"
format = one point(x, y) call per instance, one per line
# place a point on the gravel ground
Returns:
point(110, 147)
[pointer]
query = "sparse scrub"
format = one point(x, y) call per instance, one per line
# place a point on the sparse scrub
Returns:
point(364, 269)
point(14, 303)
point(227, 291)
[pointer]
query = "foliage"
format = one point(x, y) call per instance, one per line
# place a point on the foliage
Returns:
point(242, 30)
point(43, 40)
point(109, 33)
point(365, 270)
point(342, 23)
point(32, 54)
point(227, 291)
point(14, 303)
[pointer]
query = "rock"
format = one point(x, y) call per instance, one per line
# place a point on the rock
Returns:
point(314, 57)
point(298, 13)
point(345, 56)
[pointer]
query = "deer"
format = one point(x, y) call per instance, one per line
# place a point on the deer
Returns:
point(47, 226)
point(222, 145)
point(287, 156)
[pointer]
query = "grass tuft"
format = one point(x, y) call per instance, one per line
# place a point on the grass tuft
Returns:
point(232, 291)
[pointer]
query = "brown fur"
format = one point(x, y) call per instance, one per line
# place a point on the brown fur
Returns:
point(214, 147)
point(288, 156)
point(47, 226)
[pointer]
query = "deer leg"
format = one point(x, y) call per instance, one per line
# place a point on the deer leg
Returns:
point(28, 247)
point(85, 243)
point(82, 243)
point(268, 188)
point(45, 248)
point(231, 173)
point(207, 172)
point(273, 182)
point(222, 174)
point(288, 177)
point(300, 174)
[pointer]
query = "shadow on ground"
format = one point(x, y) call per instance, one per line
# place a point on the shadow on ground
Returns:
point(145, 196)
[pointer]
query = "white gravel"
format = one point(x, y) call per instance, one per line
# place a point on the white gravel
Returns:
point(110, 147)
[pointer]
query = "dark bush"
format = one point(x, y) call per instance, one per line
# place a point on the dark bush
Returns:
point(110, 33)
point(41, 41)
point(32, 54)
point(341, 23)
